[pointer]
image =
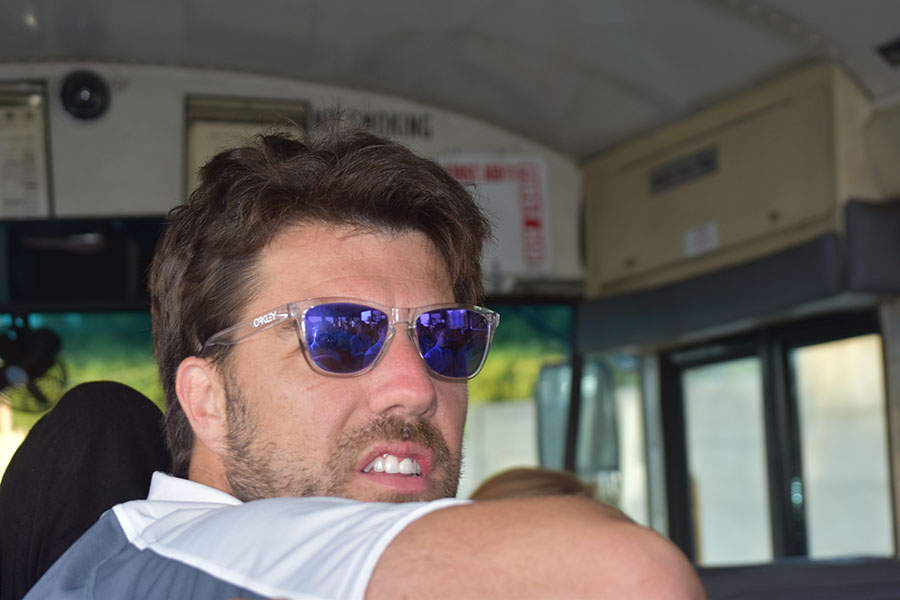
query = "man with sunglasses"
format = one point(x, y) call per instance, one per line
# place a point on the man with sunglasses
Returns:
point(278, 429)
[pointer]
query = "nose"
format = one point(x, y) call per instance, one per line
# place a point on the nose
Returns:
point(401, 383)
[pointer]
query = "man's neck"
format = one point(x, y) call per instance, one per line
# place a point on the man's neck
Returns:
point(207, 468)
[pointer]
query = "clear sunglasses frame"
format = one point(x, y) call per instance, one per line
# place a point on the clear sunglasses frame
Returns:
point(296, 312)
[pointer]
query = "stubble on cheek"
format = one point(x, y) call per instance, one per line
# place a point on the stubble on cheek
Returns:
point(256, 467)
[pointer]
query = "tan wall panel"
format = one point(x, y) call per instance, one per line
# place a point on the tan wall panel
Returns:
point(787, 154)
point(882, 149)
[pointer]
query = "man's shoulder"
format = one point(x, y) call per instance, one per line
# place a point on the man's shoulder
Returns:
point(73, 570)
point(316, 547)
point(323, 547)
point(103, 562)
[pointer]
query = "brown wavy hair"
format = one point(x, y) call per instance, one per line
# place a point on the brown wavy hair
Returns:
point(202, 274)
point(528, 482)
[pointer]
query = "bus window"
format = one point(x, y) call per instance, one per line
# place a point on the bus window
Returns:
point(502, 426)
point(609, 440)
point(841, 410)
point(777, 443)
point(610, 444)
point(553, 392)
point(726, 451)
point(115, 345)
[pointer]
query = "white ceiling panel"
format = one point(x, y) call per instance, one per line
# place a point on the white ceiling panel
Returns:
point(577, 75)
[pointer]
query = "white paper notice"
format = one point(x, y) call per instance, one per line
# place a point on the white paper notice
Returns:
point(23, 171)
point(701, 239)
point(513, 191)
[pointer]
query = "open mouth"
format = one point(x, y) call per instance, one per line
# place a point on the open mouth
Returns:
point(393, 465)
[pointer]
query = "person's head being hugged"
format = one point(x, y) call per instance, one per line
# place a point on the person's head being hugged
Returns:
point(529, 482)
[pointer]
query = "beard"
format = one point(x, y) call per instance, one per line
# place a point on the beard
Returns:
point(256, 468)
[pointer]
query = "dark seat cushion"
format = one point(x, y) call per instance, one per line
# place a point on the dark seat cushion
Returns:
point(96, 448)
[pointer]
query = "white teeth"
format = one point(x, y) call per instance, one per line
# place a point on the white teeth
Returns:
point(391, 464)
point(388, 463)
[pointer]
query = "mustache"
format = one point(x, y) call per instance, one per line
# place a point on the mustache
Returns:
point(392, 427)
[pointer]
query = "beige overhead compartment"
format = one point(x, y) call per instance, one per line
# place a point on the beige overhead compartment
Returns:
point(766, 170)
point(882, 134)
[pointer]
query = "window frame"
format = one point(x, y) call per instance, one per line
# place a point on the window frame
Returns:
point(772, 345)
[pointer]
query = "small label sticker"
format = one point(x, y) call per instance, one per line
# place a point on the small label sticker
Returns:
point(701, 239)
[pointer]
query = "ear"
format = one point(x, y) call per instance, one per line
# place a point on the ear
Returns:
point(202, 397)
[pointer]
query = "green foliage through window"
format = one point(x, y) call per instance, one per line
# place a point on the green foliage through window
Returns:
point(115, 346)
point(529, 336)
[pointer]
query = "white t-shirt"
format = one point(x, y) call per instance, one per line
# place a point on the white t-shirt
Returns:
point(188, 536)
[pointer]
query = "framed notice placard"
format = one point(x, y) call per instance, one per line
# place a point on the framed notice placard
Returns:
point(24, 173)
point(513, 190)
point(217, 123)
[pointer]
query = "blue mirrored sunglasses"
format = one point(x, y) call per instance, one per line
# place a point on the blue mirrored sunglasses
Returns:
point(345, 336)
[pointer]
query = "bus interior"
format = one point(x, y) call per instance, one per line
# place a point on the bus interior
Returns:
point(697, 234)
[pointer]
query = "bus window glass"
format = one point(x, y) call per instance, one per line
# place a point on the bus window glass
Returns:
point(841, 406)
point(726, 447)
point(502, 426)
point(552, 394)
point(114, 346)
point(610, 445)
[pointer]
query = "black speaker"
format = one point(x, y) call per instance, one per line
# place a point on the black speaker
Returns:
point(85, 95)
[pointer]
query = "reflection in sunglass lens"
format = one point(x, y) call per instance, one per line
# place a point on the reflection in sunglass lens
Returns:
point(344, 337)
point(452, 340)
